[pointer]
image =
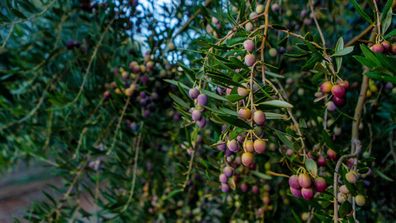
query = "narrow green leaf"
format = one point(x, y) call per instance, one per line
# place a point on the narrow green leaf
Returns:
point(277, 103)
point(380, 76)
point(284, 138)
point(343, 52)
point(179, 101)
point(339, 46)
point(361, 12)
point(214, 95)
point(261, 175)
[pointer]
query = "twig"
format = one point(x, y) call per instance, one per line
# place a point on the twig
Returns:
point(311, 5)
point(8, 35)
point(118, 125)
point(358, 37)
point(189, 168)
point(266, 12)
point(135, 164)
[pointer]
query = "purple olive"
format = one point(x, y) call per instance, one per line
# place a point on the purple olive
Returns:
point(196, 115)
point(293, 182)
point(201, 123)
point(202, 100)
point(295, 192)
point(228, 171)
point(221, 146)
point(320, 184)
point(233, 145)
point(193, 93)
point(225, 188)
point(223, 178)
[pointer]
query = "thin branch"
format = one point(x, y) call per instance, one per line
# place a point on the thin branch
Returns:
point(266, 12)
point(311, 5)
point(119, 125)
point(8, 35)
point(361, 35)
point(135, 164)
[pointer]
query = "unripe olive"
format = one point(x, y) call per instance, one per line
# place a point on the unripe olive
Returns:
point(351, 176)
point(341, 197)
point(171, 46)
point(248, 146)
point(247, 159)
point(259, 8)
point(248, 45)
point(360, 200)
point(129, 91)
point(249, 26)
point(250, 59)
point(304, 180)
point(244, 113)
point(243, 92)
point(253, 16)
point(325, 87)
point(273, 52)
point(259, 117)
point(259, 146)
point(344, 189)
point(305, 216)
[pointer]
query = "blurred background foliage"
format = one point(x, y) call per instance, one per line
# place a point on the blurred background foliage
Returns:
point(65, 68)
